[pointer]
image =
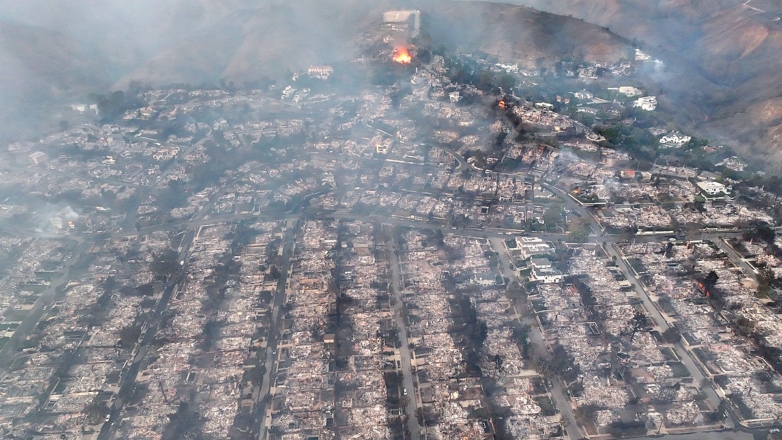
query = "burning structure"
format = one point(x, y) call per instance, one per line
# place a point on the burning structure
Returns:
point(402, 56)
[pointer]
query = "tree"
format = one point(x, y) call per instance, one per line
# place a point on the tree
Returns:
point(744, 326)
point(711, 280)
point(507, 82)
point(96, 411)
point(419, 416)
point(563, 364)
point(165, 263)
point(637, 322)
point(672, 335)
point(558, 68)
point(620, 429)
point(172, 196)
point(552, 216)
point(766, 234)
point(485, 80)
point(500, 138)
point(765, 278)
point(129, 335)
point(579, 231)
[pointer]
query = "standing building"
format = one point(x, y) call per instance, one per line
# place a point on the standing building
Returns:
point(38, 157)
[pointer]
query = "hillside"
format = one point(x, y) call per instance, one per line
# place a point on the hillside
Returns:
point(730, 48)
point(531, 37)
point(34, 57)
point(123, 35)
point(252, 43)
point(269, 40)
point(39, 66)
point(722, 69)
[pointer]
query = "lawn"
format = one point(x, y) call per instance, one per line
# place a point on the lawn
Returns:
point(679, 370)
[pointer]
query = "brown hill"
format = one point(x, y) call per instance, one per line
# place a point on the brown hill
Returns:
point(729, 49)
point(269, 40)
point(533, 38)
point(123, 35)
point(252, 43)
point(722, 67)
point(34, 57)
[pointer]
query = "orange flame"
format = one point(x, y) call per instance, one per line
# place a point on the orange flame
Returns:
point(402, 56)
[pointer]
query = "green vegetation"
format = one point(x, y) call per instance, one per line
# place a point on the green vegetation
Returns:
point(559, 364)
point(765, 278)
point(117, 103)
point(672, 335)
point(546, 405)
point(621, 429)
point(521, 337)
point(462, 70)
point(579, 231)
point(553, 217)
point(679, 370)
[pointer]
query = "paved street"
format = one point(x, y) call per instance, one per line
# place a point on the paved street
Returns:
point(537, 340)
point(737, 260)
point(659, 319)
point(404, 349)
point(129, 374)
point(686, 356)
point(274, 331)
point(47, 297)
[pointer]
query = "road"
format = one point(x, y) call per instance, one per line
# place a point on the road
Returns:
point(536, 339)
point(495, 235)
point(651, 308)
point(404, 348)
point(47, 297)
point(274, 330)
point(660, 321)
point(738, 260)
point(128, 382)
point(457, 157)
point(719, 435)
point(572, 205)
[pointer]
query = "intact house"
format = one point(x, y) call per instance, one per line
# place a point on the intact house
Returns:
point(713, 190)
point(527, 247)
point(544, 272)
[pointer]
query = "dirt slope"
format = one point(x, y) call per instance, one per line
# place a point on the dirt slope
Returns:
point(269, 40)
point(731, 50)
point(531, 37)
